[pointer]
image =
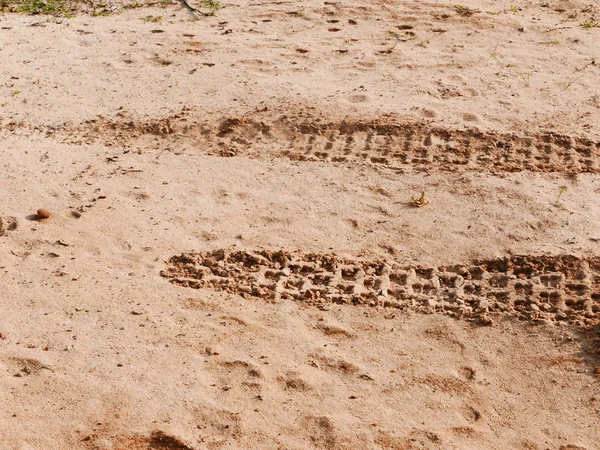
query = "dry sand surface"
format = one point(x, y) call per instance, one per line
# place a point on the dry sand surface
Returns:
point(232, 260)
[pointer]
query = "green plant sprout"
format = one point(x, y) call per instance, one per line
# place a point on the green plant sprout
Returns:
point(590, 23)
point(465, 11)
point(213, 6)
point(493, 55)
point(36, 6)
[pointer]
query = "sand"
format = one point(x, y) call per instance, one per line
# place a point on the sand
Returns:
point(233, 257)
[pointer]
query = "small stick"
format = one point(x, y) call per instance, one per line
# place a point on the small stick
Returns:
point(570, 83)
point(10, 134)
point(560, 193)
point(557, 28)
point(192, 9)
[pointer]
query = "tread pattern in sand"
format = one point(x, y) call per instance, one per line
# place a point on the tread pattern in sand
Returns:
point(564, 288)
point(410, 146)
point(413, 146)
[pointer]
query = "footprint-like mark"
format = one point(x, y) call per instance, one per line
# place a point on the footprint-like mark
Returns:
point(8, 223)
point(157, 440)
point(24, 367)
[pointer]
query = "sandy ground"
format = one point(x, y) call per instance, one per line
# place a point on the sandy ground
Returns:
point(232, 260)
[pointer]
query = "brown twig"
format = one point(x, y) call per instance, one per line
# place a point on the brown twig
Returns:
point(192, 8)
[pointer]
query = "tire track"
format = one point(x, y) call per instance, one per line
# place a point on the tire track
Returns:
point(409, 146)
point(546, 288)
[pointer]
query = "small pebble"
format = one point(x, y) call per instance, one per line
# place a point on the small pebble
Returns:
point(43, 214)
point(79, 308)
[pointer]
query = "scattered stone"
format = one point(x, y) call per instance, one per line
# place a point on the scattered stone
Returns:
point(43, 214)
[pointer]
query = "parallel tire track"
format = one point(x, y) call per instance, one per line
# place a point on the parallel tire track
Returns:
point(413, 146)
point(545, 288)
